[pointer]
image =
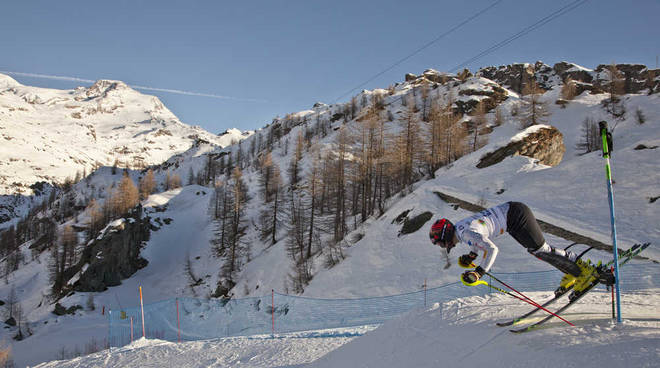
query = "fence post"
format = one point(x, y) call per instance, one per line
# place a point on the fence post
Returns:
point(110, 329)
point(424, 293)
point(178, 325)
point(272, 310)
point(131, 329)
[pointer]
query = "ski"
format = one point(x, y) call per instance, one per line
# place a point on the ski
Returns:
point(624, 257)
point(558, 293)
point(535, 310)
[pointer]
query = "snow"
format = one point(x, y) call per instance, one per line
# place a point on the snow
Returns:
point(531, 130)
point(255, 351)
point(451, 334)
point(463, 331)
point(578, 68)
point(7, 81)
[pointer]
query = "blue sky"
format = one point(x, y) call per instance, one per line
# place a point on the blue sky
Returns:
point(270, 58)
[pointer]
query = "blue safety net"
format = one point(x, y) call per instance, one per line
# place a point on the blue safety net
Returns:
point(186, 319)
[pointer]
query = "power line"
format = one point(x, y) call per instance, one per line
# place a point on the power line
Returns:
point(516, 36)
point(524, 31)
point(475, 15)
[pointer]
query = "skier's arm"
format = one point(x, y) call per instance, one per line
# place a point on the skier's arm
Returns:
point(490, 254)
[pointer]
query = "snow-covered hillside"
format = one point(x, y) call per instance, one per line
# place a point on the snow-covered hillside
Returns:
point(443, 335)
point(378, 260)
point(50, 135)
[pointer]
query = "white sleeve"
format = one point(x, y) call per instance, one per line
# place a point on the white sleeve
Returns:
point(490, 254)
point(478, 242)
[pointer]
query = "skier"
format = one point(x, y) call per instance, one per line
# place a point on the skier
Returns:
point(516, 219)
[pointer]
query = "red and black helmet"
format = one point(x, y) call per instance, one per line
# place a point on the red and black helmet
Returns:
point(442, 231)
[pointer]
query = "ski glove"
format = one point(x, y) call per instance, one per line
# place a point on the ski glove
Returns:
point(465, 260)
point(473, 276)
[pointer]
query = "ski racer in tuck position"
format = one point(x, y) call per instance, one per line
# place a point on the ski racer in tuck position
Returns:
point(518, 220)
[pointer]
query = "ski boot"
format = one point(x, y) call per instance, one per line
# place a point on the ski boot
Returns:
point(566, 283)
point(588, 274)
point(606, 277)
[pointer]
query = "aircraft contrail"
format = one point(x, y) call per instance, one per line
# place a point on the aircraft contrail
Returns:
point(167, 90)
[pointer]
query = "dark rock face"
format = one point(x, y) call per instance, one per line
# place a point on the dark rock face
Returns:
point(634, 77)
point(415, 223)
point(514, 76)
point(495, 96)
point(637, 78)
point(545, 145)
point(567, 70)
point(61, 311)
point(7, 208)
point(410, 77)
point(114, 257)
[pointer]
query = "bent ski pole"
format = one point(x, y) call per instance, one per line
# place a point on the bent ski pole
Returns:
point(514, 290)
point(528, 301)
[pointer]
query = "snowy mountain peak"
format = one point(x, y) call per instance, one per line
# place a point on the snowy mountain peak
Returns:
point(103, 87)
point(49, 135)
point(7, 81)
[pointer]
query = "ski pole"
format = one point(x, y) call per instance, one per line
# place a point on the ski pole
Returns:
point(531, 302)
point(528, 299)
point(510, 287)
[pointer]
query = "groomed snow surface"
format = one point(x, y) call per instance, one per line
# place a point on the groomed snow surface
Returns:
point(457, 333)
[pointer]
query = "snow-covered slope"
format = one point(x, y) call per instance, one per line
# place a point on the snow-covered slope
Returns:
point(457, 333)
point(463, 331)
point(50, 135)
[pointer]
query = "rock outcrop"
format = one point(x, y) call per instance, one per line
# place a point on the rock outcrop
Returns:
point(513, 76)
point(113, 256)
point(542, 142)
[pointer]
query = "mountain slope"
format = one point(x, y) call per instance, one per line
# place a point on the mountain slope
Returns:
point(50, 135)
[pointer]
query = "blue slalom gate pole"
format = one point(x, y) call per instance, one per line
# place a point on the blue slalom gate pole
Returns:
point(607, 145)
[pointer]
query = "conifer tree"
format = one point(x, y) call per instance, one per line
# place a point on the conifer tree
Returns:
point(128, 195)
point(271, 186)
point(406, 145)
point(235, 247)
point(533, 110)
point(568, 89)
point(478, 125)
point(337, 190)
point(616, 87)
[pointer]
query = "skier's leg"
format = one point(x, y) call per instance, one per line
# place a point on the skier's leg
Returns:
point(523, 227)
point(545, 248)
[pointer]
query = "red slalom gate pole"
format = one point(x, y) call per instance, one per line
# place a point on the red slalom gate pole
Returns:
point(526, 298)
point(531, 302)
